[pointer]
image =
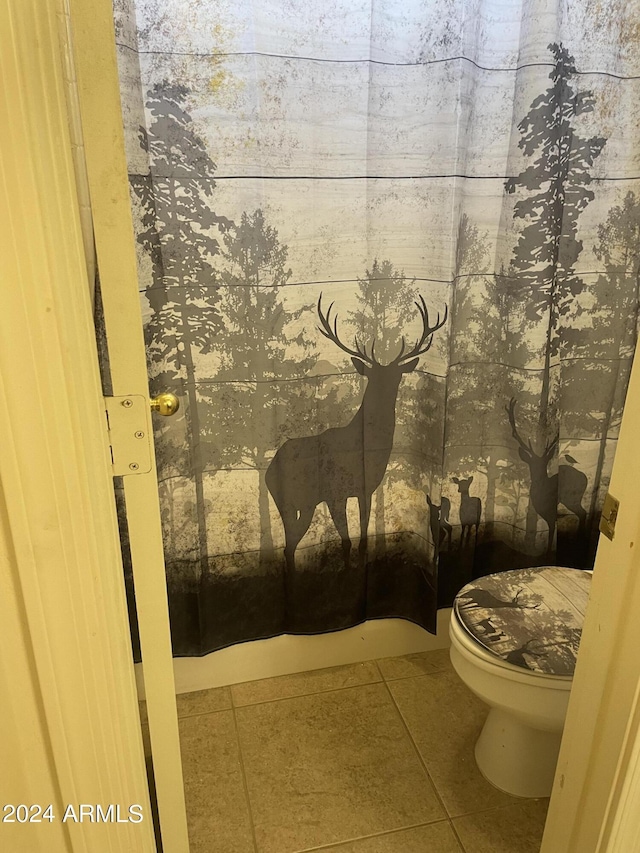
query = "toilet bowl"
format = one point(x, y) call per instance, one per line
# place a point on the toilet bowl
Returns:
point(534, 617)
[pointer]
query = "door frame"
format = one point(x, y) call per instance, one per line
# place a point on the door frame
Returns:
point(69, 714)
point(93, 52)
point(591, 809)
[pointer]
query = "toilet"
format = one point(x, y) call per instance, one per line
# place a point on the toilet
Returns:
point(514, 642)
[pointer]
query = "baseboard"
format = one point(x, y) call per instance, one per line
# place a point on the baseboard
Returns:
point(288, 654)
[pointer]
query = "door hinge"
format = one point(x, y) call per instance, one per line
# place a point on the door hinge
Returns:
point(129, 434)
point(609, 516)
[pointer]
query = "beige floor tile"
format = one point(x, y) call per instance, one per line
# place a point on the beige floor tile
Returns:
point(331, 767)
point(203, 701)
point(513, 829)
point(217, 809)
point(197, 702)
point(303, 683)
point(445, 719)
point(422, 663)
point(435, 838)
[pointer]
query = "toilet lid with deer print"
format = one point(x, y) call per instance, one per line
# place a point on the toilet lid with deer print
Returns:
point(528, 617)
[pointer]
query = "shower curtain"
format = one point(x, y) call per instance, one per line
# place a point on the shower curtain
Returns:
point(389, 262)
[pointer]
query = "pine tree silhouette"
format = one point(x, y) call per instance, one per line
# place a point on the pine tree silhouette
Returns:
point(178, 220)
point(615, 314)
point(475, 429)
point(555, 191)
point(252, 394)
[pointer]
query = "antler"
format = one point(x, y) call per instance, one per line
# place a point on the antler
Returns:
point(427, 332)
point(524, 606)
point(549, 447)
point(420, 347)
point(332, 335)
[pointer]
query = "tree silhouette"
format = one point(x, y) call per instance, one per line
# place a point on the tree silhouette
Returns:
point(594, 382)
point(178, 220)
point(178, 515)
point(475, 430)
point(619, 249)
point(385, 299)
point(252, 394)
point(599, 379)
point(556, 191)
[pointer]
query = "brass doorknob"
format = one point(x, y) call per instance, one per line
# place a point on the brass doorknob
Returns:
point(165, 404)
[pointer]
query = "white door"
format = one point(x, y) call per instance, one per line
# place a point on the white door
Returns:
point(94, 64)
point(69, 721)
point(594, 759)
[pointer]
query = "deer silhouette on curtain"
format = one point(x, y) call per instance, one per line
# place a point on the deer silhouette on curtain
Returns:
point(349, 461)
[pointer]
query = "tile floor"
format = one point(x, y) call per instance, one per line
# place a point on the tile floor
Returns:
point(375, 757)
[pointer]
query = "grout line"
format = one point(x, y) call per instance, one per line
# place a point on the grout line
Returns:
point(244, 782)
point(416, 674)
point(457, 836)
point(235, 705)
point(336, 845)
point(246, 788)
point(417, 751)
point(382, 679)
point(311, 693)
point(449, 819)
point(204, 713)
point(517, 801)
point(520, 801)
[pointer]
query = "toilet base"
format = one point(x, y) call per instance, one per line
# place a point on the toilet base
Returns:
point(516, 758)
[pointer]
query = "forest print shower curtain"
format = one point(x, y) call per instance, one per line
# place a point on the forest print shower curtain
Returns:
point(389, 262)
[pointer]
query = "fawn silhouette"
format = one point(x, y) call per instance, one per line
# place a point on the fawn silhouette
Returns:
point(470, 509)
point(439, 521)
